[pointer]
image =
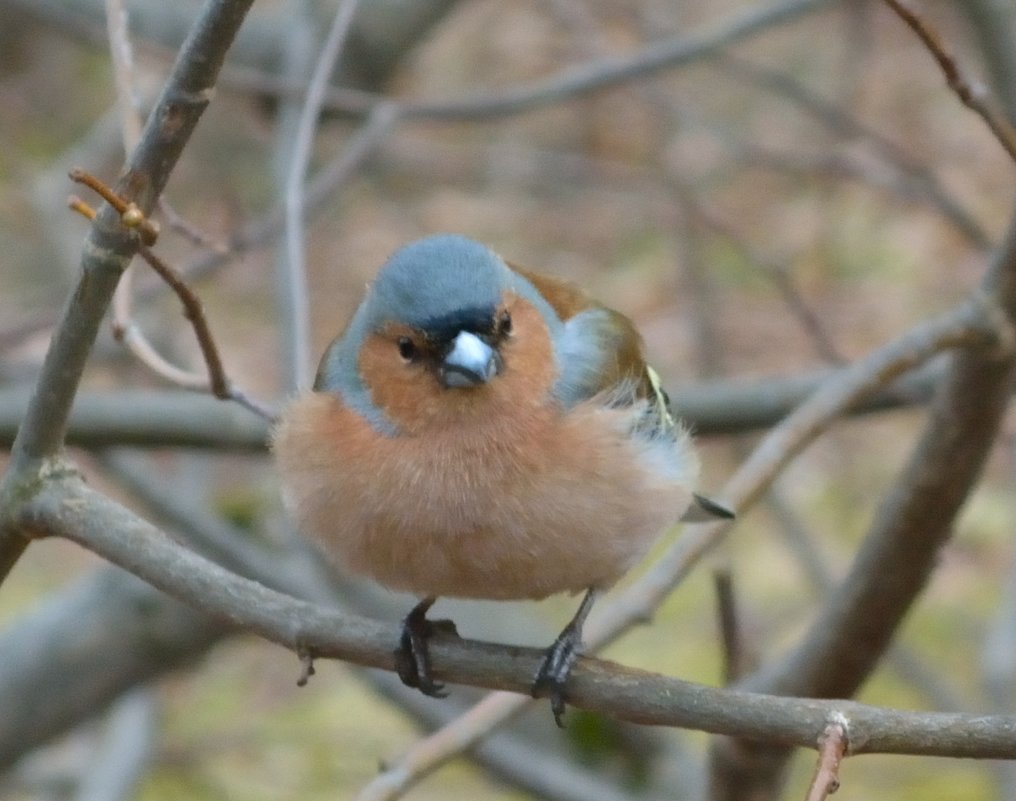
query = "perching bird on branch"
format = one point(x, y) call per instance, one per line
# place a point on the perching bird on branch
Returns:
point(483, 431)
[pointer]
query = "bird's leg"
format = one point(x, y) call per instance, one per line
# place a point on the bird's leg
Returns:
point(412, 657)
point(557, 664)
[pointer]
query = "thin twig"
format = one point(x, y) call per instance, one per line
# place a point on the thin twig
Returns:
point(194, 311)
point(775, 271)
point(295, 277)
point(917, 179)
point(126, 331)
point(599, 74)
point(122, 55)
point(974, 97)
point(131, 215)
point(731, 633)
point(832, 746)
point(189, 230)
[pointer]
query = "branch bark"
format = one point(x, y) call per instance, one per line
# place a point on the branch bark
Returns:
point(108, 250)
point(67, 507)
point(899, 553)
point(173, 419)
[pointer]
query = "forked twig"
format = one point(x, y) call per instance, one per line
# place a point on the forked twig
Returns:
point(216, 382)
point(973, 96)
point(832, 747)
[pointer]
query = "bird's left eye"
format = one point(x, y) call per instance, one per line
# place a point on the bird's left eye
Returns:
point(407, 348)
point(505, 323)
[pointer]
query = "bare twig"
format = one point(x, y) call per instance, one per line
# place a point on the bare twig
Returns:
point(215, 381)
point(914, 175)
point(598, 75)
point(295, 278)
point(131, 216)
point(775, 271)
point(109, 248)
point(832, 747)
point(973, 96)
point(735, 655)
point(194, 311)
point(122, 56)
point(189, 230)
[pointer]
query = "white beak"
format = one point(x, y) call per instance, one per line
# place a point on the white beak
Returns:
point(470, 362)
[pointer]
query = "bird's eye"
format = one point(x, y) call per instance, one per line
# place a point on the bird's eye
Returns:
point(505, 323)
point(407, 348)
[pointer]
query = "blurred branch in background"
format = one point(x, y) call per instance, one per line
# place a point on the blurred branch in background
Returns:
point(159, 419)
point(605, 134)
point(858, 621)
point(380, 38)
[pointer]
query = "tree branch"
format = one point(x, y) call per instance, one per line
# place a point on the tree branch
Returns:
point(67, 507)
point(109, 247)
point(293, 278)
point(974, 97)
point(598, 74)
point(160, 419)
point(859, 619)
point(384, 31)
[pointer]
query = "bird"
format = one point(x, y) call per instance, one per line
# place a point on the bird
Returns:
point(480, 430)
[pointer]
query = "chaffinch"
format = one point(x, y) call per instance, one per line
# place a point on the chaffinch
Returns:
point(483, 431)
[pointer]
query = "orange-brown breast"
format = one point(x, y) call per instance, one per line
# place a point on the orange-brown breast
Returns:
point(519, 508)
point(568, 299)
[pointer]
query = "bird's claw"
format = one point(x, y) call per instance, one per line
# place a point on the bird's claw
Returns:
point(554, 670)
point(412, 657)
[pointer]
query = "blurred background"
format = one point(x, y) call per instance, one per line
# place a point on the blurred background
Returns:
point(788, 197)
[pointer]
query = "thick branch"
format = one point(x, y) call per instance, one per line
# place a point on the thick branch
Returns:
point(165, 633)
point(598, 75)
point(66, 507)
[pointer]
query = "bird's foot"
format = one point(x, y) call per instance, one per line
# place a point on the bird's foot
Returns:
point(556, 667)
point(412, 657)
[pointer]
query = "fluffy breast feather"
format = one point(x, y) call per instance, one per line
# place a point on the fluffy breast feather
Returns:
point(522, 507)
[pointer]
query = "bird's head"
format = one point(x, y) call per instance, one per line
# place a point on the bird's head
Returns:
point(446, 332)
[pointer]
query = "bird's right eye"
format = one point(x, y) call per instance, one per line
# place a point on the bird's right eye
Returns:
point(407, 348)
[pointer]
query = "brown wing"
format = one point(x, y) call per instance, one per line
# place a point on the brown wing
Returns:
point(567, 299)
